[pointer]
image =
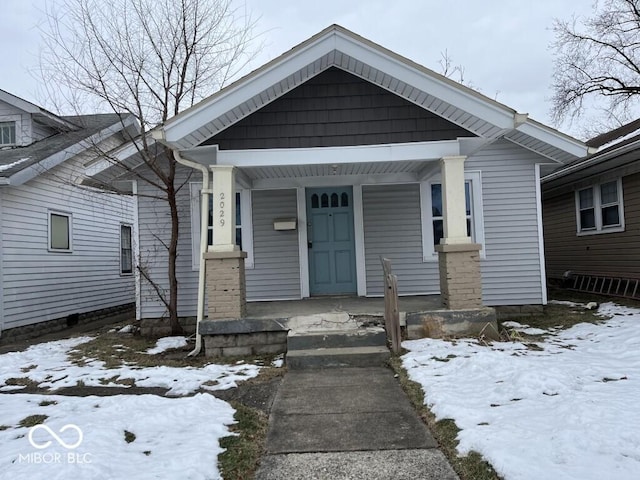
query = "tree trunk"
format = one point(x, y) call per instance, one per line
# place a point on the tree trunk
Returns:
point(176, 328)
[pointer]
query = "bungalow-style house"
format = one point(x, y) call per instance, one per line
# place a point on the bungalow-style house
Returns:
point(339, 152)
point(65, 251)
point(591, 211)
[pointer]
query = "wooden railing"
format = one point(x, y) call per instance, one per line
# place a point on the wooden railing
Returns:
point(391, 312)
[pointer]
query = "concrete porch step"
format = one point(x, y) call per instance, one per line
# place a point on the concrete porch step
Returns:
point(365, 356)
point(364, 337)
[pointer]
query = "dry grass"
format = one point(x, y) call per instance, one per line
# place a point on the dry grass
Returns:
point(243, 451)
point(32, 420)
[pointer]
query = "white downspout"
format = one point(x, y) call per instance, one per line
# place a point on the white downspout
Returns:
point(204, 228)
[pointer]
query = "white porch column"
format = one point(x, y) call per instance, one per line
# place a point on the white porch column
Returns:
point(224, 209)
point(458, 258)
point(225, 277)
point(454, 211)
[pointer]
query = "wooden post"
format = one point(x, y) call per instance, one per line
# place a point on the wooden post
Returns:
point(391, 312)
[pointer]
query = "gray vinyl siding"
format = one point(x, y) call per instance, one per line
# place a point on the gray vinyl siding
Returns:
point(511, 271)
point(155, 231)
point(392, 229)
point(336, 108)
point(39, 285)
point(609, 254)
point(276, 272)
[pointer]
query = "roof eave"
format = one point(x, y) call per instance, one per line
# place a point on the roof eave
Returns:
point(59, 157)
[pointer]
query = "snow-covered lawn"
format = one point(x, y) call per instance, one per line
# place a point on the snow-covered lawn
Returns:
point(568, 411)
point(49, 366)
point(175, 437)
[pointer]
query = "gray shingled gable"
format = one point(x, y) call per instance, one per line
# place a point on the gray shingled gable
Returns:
point(21, 158)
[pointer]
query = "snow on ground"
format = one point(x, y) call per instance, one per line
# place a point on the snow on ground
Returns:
point(526, 329)
point(174, 437)
point(167, 343)
point(48, 365)
point(569, 411)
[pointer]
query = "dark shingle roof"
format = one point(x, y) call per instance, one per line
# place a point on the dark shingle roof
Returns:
point(20, 158)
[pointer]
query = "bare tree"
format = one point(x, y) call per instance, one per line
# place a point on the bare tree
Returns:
point(150, 59)
point(597, 60)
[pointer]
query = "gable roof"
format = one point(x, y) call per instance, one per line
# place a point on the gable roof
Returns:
point(39, 114)
point(338, 47)
point(614, 135)
point(20, 164)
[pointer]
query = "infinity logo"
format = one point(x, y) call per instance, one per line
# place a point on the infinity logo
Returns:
point(55, 436)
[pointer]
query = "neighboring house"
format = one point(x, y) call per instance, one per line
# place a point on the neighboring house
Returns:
point(65, 250)
point(337, 148)
point(592, 216)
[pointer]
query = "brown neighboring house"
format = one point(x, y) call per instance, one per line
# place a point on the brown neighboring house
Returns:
point(591, 216)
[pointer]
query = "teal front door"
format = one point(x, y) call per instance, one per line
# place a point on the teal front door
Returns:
point(332, 259)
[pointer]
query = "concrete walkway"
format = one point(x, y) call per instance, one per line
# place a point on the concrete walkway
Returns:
point(348, 423)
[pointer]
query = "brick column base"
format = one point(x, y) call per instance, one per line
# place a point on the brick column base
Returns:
point(225, 285)
point(460, 280)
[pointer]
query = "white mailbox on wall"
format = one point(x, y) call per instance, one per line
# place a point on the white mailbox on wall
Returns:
point(285, 223)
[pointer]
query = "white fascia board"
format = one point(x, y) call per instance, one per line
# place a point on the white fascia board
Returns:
point(457, 95)
point(201, 114)
point(57, 158)
point(338, 155)
point(122, 153)
point(554, 138)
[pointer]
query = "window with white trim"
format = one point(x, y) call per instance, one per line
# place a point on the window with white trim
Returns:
point(244, 231)
point(126, 250)
point(599, 208)
point(7, 133)
point(60, 232)
point(432, 220)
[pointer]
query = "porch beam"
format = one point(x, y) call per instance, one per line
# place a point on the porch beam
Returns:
point(329, 180)
point(339, 155)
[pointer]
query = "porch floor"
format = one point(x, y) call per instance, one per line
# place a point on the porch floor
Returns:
point(350, 305)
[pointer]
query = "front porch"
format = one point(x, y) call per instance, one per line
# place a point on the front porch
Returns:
point(324, 323)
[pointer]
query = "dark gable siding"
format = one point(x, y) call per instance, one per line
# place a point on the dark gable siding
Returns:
point(608, 254)
point(336, 108)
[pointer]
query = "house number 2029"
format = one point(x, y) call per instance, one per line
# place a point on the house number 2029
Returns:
point(221, 211)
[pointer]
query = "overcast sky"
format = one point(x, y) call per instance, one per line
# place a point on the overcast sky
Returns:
point(504, 45)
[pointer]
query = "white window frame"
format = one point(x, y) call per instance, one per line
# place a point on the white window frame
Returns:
point(17, 121)
point(122, 272)
point(246, 225)
point(70, 232)
point(597, 205)
point(474, 178)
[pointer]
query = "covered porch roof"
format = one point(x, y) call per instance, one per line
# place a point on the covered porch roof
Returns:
point(341, 48)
